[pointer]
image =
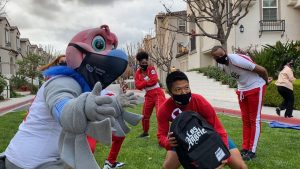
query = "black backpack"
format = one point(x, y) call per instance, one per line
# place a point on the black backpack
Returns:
point(199, 146)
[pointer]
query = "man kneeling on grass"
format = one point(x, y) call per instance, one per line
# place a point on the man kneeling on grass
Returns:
point(183, 100)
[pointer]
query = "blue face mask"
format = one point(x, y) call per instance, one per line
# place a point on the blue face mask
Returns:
point(96, 67)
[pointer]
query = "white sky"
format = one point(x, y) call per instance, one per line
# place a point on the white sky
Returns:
point(55, 22)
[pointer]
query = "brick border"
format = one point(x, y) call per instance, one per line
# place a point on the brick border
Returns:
point(265, 117)
point(14, 106)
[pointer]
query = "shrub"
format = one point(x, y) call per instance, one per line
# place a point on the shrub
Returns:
point(273, 98)
point(2, 84)
point(218, 75)
point(18, 82)
point(272, 57)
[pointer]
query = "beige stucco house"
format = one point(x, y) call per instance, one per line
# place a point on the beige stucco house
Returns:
point(169, 43)
point(268, 21)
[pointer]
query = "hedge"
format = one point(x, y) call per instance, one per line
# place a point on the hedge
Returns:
point(272, 97)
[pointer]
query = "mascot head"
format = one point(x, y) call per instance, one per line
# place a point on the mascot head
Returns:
point(93, 54)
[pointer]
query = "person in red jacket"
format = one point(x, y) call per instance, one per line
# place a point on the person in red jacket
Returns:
point(146, 79)
point(183, 100)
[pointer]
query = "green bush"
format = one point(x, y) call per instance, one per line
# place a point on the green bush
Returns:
point(218, 75)
point(17, 82)
point(2, 84)
point(273, 98)
point(272, 57)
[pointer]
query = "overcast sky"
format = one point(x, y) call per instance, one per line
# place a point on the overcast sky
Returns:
point(55, 22)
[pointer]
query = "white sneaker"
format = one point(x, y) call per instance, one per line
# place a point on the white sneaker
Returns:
point(108, 165)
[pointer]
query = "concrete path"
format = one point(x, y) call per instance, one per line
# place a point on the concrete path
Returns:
point(12, 104)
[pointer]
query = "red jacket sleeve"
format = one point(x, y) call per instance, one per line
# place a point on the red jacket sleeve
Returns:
point(140, 83)
point(163, 129)
point(152, 76)
point(211, 117)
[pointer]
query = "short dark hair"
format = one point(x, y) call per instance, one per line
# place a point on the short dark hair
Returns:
point(142, 55)
point(175, 76)
point(215, 48)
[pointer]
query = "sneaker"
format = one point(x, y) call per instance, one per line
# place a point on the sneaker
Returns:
point(249, 156)
point(278, 111)
point(243, 152)
point(289, 116)
point(143, 135)
point(108, 165)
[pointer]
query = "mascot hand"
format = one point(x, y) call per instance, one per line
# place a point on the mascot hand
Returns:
point(127, 100)
point(94, 106)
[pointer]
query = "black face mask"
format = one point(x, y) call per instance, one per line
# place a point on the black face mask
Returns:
point(144, 67)
point(182, 99)
point(222, 60)
point(96, 67)
point(62, 64)
point(292, 65)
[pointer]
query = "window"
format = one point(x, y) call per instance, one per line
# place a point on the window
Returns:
point(270, 9)
point(18, 43)
point(7, 36)
point(193, 43)
point(181, 25)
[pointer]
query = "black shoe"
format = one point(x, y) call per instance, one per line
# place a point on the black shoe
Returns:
point(288, 116)
point(143, 135)
point(278, 111)
point(249, 156)
point(243, 152)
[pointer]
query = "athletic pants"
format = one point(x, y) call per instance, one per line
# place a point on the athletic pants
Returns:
point(154, 97)
point(114, 150)
point(250, 104)
point(288, 100)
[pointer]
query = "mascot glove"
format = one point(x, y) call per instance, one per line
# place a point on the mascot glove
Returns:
point(127, 100)
point(95, 108)
point(87, 107)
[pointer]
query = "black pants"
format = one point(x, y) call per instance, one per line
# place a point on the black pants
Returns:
point(288, 102)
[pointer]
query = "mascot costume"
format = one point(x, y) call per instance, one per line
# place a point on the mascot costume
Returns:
point(68, 107)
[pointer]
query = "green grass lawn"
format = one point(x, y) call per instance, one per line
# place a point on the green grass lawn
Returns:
point(278, 148)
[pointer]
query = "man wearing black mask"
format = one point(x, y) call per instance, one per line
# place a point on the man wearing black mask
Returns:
point(146, 79)
point(252, 80)
point(183, 100)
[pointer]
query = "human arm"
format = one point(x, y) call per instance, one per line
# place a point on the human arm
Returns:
point(153, 78)
point(262, 72)
point(209, 114)
point(163, 130)
point(140, 83)
point(290, 75)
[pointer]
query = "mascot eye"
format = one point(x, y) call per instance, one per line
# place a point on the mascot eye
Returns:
point(98, 43)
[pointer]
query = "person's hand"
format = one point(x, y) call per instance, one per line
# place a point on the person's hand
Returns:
point(223, 164)
point(172, 140)
point(270, 79)
point(146, 78)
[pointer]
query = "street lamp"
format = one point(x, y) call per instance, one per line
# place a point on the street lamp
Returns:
point(242, 28)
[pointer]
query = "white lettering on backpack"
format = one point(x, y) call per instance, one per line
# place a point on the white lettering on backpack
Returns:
point(193, 136)
point(220, 154)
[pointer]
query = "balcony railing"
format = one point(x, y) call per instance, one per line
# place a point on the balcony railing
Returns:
point(271, 25)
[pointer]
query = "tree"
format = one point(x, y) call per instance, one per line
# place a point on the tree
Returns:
point(223, 14)
point(2, 7)
point(160, 49)
point(28, 66)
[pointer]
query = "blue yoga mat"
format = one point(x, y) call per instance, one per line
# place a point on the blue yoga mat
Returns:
point(275, 124)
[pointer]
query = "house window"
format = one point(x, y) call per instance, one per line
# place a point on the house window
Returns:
point(7, 36)
point(193, 43)
point(18, 43)
point(181, 25)
point(270, 9)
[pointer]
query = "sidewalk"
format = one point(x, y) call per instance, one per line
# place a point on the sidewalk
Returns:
point(11, 104)
point(232, 108)
point(221, 106)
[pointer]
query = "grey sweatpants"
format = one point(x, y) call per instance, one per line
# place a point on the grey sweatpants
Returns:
point(50, 165)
